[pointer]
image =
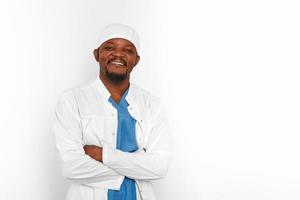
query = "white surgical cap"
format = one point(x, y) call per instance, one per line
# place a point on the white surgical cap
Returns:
point(119, 31)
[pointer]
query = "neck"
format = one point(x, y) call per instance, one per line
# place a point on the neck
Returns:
point(116, 90)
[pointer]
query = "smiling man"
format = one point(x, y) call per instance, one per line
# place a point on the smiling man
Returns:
point(112, 136)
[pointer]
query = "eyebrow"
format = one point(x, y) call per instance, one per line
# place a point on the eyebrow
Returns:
point(128, 45)
point(109, 43)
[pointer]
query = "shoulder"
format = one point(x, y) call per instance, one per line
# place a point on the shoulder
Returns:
point(141, 93)
point(152, 102)
point(73, 93)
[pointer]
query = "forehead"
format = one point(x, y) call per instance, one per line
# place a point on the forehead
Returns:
point(118, 41)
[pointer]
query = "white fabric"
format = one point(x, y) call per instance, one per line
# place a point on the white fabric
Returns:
point(85, 117)
point(119, 31)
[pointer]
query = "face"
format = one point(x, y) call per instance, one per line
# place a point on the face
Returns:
point(116, 58)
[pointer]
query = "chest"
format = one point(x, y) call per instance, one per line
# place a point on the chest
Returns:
point(99, 124)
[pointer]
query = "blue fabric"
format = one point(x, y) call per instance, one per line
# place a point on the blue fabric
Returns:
point(126, 141)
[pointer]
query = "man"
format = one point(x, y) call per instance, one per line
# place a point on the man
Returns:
point(112, 136)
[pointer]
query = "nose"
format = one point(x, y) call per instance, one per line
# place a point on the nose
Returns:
point(118, 53)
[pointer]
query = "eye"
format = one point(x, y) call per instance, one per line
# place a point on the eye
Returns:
point(108, 48)
point(129, 50)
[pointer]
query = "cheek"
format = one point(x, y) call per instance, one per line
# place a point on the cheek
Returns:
point(131, 62)
point(103, 58)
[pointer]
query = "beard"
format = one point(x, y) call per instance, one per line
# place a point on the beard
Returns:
point(115, 77)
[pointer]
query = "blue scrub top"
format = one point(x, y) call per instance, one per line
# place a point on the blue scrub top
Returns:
point(126, 141)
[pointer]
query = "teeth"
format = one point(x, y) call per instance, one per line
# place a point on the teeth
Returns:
point(117, 63)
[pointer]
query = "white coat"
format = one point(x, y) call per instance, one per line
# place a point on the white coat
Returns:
point(84, 116)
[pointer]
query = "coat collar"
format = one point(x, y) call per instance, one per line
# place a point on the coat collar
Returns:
point(132, 107)
point(104, 93)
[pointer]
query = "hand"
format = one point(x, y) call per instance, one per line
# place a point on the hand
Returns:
point(94, 151)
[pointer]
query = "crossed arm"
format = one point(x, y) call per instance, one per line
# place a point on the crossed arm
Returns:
point(101, 166)
point(94, 151)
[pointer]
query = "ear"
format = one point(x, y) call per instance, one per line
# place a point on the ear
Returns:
point(96, 54)
point(137, 60)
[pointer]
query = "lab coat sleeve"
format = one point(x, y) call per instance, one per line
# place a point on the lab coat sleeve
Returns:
point(76, 165)
point(144, 165)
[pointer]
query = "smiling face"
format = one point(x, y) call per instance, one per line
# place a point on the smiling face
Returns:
point(116, 58)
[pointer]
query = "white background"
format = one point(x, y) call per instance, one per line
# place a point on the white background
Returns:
point(227, 70)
